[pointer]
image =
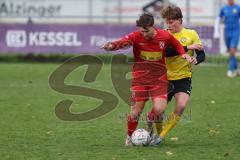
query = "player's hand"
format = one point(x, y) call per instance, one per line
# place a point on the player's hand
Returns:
point(108, 46)
point(187, 57)
point(194, 60)
point(195, 47)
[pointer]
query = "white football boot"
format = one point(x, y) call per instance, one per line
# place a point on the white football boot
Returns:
point(128, 141)
point(155, 140)
point(231, 74)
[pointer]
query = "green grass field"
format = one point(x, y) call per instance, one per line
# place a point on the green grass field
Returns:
point(30, 130)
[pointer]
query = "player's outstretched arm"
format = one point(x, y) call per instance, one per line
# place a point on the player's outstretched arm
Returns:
point(109, 46)
point(116, 45)
point(122, 43)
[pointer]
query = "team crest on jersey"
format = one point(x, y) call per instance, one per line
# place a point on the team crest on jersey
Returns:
point(161, 44)
point(183, 39)
point(235, 11)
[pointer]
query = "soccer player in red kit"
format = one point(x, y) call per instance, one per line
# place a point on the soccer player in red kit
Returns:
point(149, 69)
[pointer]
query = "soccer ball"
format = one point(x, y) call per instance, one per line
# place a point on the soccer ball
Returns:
point(140, 137)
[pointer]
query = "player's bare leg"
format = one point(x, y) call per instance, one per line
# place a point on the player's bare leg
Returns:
point(156, 115)
point(132, 123)
point(181, 100)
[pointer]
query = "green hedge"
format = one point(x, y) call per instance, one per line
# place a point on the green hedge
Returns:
point(48, 57)
point(63, 57)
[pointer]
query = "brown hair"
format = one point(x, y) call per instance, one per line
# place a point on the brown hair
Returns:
point(145, 20)
point(171, 12)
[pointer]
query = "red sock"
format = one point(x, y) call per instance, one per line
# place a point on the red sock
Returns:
point(150, 117)
point(132, 125)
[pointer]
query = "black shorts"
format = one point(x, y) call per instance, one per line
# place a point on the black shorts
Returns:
point(181, 85)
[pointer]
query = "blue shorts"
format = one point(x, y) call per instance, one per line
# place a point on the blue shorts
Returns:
point(231, 40)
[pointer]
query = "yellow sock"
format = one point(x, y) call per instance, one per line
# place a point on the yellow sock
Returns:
point(159, 126)
point(169, 124)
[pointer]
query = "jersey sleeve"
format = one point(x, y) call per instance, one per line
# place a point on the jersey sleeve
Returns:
point(200, 54)
point(124, 42)
point(221, 14)
point(173, 42)
point(238, 11)
point(196, 39)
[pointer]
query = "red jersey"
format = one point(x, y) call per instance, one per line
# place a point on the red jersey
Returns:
point(149, 70)
point(150, 50)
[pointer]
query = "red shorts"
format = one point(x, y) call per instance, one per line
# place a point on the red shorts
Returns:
point(149, 80)
point(142, 93)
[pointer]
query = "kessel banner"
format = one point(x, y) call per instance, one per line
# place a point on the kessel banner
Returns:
point(79, 39)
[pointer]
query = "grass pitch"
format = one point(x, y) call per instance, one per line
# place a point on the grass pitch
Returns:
point(30, 130)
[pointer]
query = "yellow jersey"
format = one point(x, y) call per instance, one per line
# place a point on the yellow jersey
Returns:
point(177, 67)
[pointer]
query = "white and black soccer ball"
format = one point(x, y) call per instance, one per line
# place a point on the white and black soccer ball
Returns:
point(140, 137)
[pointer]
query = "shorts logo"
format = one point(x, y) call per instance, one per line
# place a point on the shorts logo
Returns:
point(162, 44)
point(16, 38)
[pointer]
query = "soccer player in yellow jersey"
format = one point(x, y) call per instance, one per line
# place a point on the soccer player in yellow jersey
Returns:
point(179, 72)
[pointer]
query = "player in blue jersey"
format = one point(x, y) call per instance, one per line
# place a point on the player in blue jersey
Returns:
point(230, 15)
